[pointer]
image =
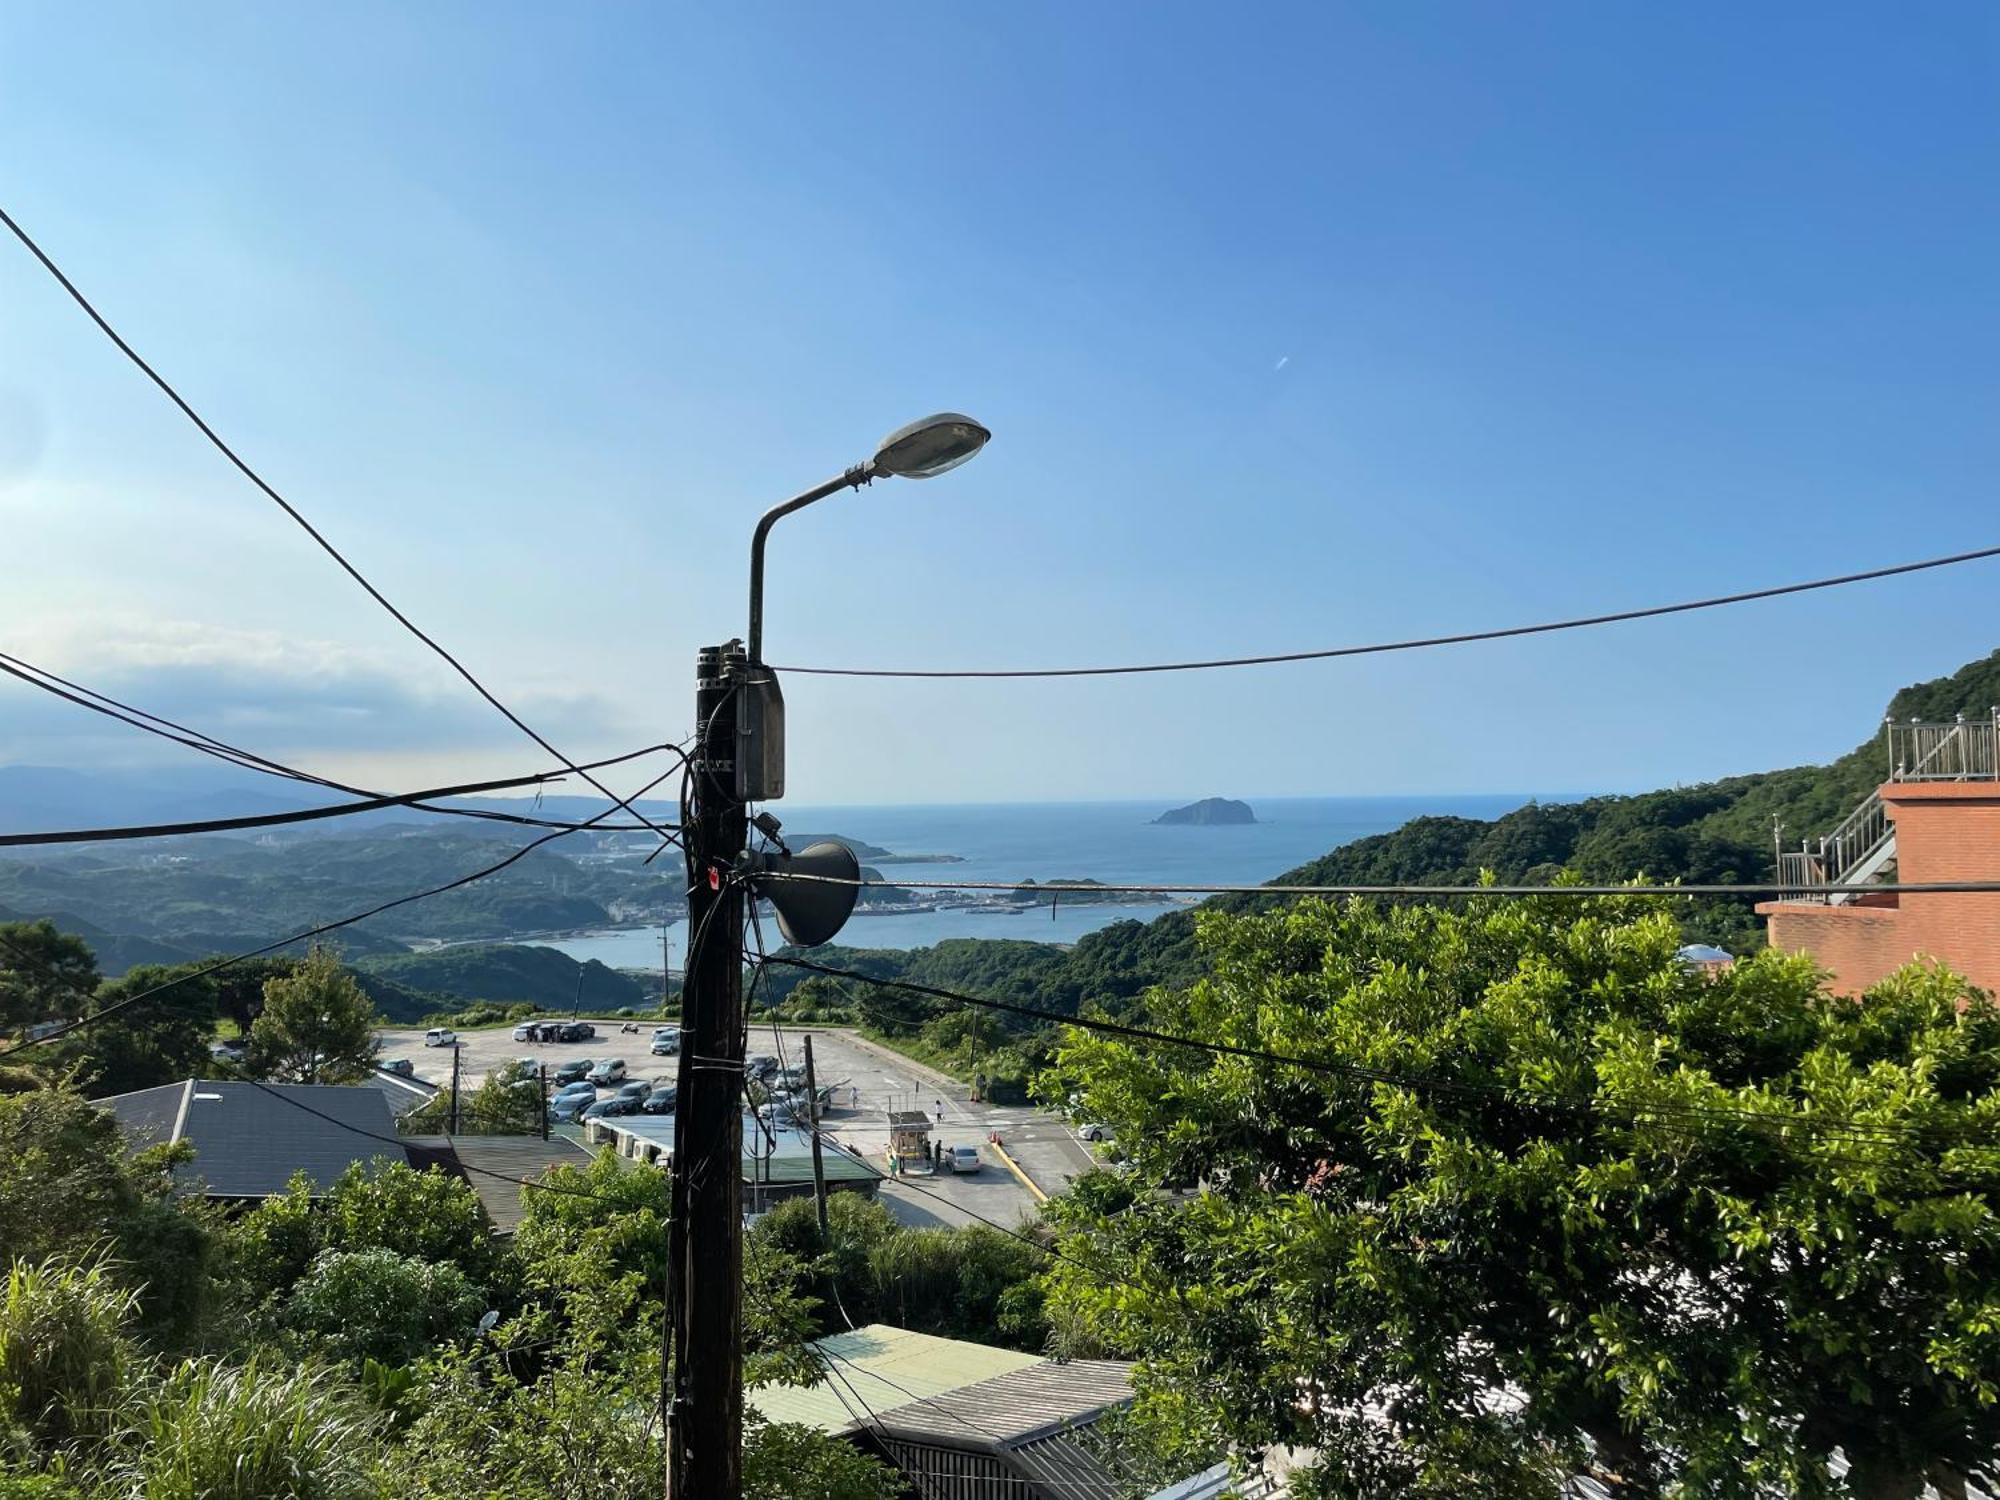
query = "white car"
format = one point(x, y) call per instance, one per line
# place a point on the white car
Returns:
point(1093, 1132)
point(440, 1036)
point(667, 1041)
point(963, 1158)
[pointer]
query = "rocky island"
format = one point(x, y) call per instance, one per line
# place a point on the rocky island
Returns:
point(1210, 812)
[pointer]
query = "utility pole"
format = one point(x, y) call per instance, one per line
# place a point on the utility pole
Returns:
point(812, 1128)
point(542, 1092)
point(454, 1086)
point(705, 1411)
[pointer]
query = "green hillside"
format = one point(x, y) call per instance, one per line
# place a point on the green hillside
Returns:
point(505, 973)
point(1718, 833)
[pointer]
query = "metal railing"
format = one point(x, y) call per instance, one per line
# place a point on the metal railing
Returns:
point(1834, 858)
point(1963, 750)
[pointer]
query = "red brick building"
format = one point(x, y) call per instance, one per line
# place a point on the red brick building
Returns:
point(1936, 819)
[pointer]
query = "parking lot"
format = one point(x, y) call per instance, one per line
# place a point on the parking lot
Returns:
point(868, 1081)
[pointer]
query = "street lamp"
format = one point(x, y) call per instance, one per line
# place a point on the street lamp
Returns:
point(740, 723)
point(922, 450)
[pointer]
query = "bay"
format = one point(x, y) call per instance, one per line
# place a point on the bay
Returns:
point(1113, 842)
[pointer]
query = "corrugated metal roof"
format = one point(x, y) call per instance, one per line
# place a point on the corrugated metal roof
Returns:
point(885, 1367)
point(516, 1158)
point(250, 1138)
point(1016, 1406)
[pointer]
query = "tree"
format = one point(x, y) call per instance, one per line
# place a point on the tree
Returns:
point(163, 1039)
point(69, 1188)
point(316, 1026)
point(427, 1216)
point(1548, 1201)
point(43, 974)
point(507, 1102)
point(375, 1304)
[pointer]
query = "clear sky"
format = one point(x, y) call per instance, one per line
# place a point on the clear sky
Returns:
point(1296, 326)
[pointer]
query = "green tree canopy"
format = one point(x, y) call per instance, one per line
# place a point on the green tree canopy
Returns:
point(1548, 1201)
point(43, 974)
point(316, 1026)
point(162, 1039)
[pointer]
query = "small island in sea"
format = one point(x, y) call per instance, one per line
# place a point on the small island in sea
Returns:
point(1210, 812)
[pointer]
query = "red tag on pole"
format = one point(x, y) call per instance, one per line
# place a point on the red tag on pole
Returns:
point(714, 878)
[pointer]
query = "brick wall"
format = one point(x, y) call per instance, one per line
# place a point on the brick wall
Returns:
point(1944, 831)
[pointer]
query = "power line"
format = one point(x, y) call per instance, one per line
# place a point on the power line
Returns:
point(302, 815)
point(437, 890)
point(1857, 1132)
point(310, 530)
point(1423, 642)
point(1770, 891)
point(208, 744)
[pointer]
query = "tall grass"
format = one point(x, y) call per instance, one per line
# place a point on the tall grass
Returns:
point(209, 1431)
point(64, 1357)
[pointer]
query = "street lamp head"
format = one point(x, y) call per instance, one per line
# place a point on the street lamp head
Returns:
point(930, 446)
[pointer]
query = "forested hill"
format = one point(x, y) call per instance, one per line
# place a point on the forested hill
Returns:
point(1718, 832)
point(1714, 833)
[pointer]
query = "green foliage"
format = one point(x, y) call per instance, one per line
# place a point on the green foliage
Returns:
point(426, 1216)
point(1610, 1186)
point(42, 972)
point(316, 1025)
point(971, 1283)
point(69, 1189)
point(507, 1102)
point(784, 1461)
point(163, 1040)
point(210, 1431)
point(64, 1356)
point(377, 1305)
point(507, 974)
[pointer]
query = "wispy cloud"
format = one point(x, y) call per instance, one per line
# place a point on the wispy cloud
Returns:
point(1283, 360)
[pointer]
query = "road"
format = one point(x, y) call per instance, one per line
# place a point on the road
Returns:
point(873, 1080)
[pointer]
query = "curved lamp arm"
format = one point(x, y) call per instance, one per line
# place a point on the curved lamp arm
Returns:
point(853, 479)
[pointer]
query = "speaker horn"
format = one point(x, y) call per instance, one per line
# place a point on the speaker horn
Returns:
point(810, 912)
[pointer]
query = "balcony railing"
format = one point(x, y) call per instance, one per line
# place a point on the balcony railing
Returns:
point(1963, 750)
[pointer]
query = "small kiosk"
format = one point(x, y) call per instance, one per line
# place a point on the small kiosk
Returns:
point(910, 1137)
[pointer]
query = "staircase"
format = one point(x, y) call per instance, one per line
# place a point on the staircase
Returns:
point(1863, 846)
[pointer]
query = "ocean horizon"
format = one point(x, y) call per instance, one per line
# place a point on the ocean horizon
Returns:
point(1115, 842)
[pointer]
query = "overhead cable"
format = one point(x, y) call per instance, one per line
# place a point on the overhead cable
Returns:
point(310, 933)
point(207, 744)
point(310, 530)
point(1772, 891)
point(1420, 643)
point(309, 814)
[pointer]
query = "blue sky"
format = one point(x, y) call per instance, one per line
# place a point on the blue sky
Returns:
point(1295, 327)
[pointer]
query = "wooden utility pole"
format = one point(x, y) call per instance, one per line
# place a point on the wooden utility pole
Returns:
point(704, 1419)
point(812, 1128)
point(542, 1092)
point(454, 1086)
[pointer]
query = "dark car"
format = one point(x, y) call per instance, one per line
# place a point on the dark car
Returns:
point(660, 1101)
point(575, 1069)
point(605, 1109)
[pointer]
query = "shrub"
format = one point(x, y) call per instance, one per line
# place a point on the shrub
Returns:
point(208, 1431)
point(377, 1305)
point(64, 1357)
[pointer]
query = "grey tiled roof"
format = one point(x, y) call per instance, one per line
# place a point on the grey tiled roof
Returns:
point(1018, 1407)
point(249, 1139)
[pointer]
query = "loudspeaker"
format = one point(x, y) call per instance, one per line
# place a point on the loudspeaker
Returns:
point(810, 912)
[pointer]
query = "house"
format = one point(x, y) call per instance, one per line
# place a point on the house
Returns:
point(777, 1160)
point(249, 1138)
point(1935, 820)
point(501, 1170)
point(963, 1420)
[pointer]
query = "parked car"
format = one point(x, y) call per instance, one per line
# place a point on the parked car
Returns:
point(963, 1158)
point(660, 1101)
point(610, 1071)
point(402, 1067)
point(606, 1109)
point(761, 1066)
point(440, 1036)
point(574, 1070)
point(1093, 1132)
point(525, 1032)
point(577, 1090)
point(666, 1041)
point(572, 1106)
point(637, 1091)
point(580, 1031)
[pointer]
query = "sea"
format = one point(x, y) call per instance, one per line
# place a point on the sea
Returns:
point(1113, 842)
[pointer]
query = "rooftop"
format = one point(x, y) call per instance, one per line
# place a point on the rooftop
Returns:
point(250, 1138)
